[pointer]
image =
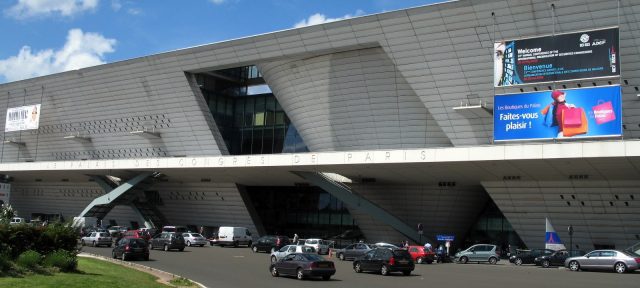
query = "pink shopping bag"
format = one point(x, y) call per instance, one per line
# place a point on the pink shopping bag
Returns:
point(572, 117)
point(603, 112)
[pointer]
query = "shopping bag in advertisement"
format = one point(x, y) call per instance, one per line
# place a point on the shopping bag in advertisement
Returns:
point(548, 115)
point(568, 131)
point(572, 117)
point(603, 112)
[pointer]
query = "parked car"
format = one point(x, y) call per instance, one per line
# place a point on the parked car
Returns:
point(270, 243)
point(17, 220)
point(137, 234)
point(557, 258)
point(194, 239)
point(353, 251)
point(113, 230)
point(302, 266)
point(176, 229)
point(421, 255)
point(131, 248)
point(385, 261)
point(529, 257)
point(479, 253)
point(168, 241)
point(286, 250)
point(97, 239)
point(234, 236)
point(320, 245)
point(618, 261)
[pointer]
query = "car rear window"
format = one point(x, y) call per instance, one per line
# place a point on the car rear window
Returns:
point(401, 254)
point(196, 235)
point(312, 241)
point(102, 234)
point(137, 243)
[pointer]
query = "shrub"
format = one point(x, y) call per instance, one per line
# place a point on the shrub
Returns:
point(65, 260)
point(5, 262)
point(29, 259)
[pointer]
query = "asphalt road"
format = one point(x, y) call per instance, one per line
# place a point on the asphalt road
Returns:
point(239, 267)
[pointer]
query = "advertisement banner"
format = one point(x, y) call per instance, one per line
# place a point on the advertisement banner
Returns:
point(5, 192)
point(579, 55)
point(567, 113)
point(22, 118)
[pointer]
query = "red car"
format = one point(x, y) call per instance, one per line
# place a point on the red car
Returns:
point(420, 256)
point(136, 234)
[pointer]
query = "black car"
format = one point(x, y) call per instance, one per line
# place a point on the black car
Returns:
point(557, 258)
point(269, 243)
point(131, 248)
point(303, 265)
point(168, 241)
point(529, 257)
point(353, 251)
point(385, 260)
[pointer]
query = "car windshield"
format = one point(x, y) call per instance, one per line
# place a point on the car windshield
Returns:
point(312, 257)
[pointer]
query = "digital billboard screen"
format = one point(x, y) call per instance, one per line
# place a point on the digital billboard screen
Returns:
point(579, 55)
point(558, 114)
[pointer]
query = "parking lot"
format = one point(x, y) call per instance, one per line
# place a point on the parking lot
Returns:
point(239, 267)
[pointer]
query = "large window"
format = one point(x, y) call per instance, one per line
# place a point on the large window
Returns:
point(247, 113)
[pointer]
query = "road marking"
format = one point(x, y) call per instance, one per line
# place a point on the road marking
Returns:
point(238, 256)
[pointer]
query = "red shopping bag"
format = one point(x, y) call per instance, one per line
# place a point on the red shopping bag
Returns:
point(603, 112)
point(572, 117)
point(568, 131)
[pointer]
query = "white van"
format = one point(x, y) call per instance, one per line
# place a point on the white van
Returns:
point(234, 236)
point(17, 220)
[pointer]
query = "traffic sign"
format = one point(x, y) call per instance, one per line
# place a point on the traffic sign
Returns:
point(445, 237)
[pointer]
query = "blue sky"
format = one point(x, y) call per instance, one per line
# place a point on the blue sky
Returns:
point(49, 36)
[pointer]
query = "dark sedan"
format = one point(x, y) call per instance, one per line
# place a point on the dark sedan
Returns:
point(384, 261)
point(270, 243)
point(353, 251)
point(529, 256)
point(129, 248)
point(303, 265)
point(557, 258)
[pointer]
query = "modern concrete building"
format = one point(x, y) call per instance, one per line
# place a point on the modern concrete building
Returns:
point(344, 128)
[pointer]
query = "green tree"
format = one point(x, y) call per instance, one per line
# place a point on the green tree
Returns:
point(6, 213)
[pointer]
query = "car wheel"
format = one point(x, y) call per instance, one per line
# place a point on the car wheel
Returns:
point(620, 267)
point(326, 277)
point(202, 245)
point(94, 243)
point(518, 261)
point(384, 270)
point(235, 244)
point(146, 258)
point(357, 267)
point(574, 266)
point(299, 274)
point(464, 259)
point(274, 271)
point(429, 261)
point(254, 249)
point(189, 243)
point(166, 247)
point(494, 260)
point(546, 264)
point(274, 259)
point(341, 256)
point(109, 245)
point(406, 273)
point(82, 243)
point(419, 260)
point(249, 244)
point(181, 249)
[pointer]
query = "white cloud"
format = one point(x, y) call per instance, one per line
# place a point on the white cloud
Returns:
point(318, 18)
point(116, 5)
point(31, 8)
point(217, 2)
point(81, 50)
point(134, 11)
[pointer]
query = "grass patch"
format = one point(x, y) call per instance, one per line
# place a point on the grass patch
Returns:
point(91, 273)
point(182, 282)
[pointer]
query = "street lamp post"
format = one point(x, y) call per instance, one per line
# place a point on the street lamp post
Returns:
point(570, 229)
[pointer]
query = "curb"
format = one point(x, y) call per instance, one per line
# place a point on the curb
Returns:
point(163, 276)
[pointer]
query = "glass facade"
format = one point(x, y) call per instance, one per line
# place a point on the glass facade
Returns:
point(493, 228)
point(308, 211)
point(247, 113)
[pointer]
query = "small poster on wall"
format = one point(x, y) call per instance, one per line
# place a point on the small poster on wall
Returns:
point(22, 118)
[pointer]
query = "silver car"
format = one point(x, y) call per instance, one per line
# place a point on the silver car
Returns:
point(96, 239)
point(194, 239)
point(479, 253)
point(619, 261)
point(286, 250)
